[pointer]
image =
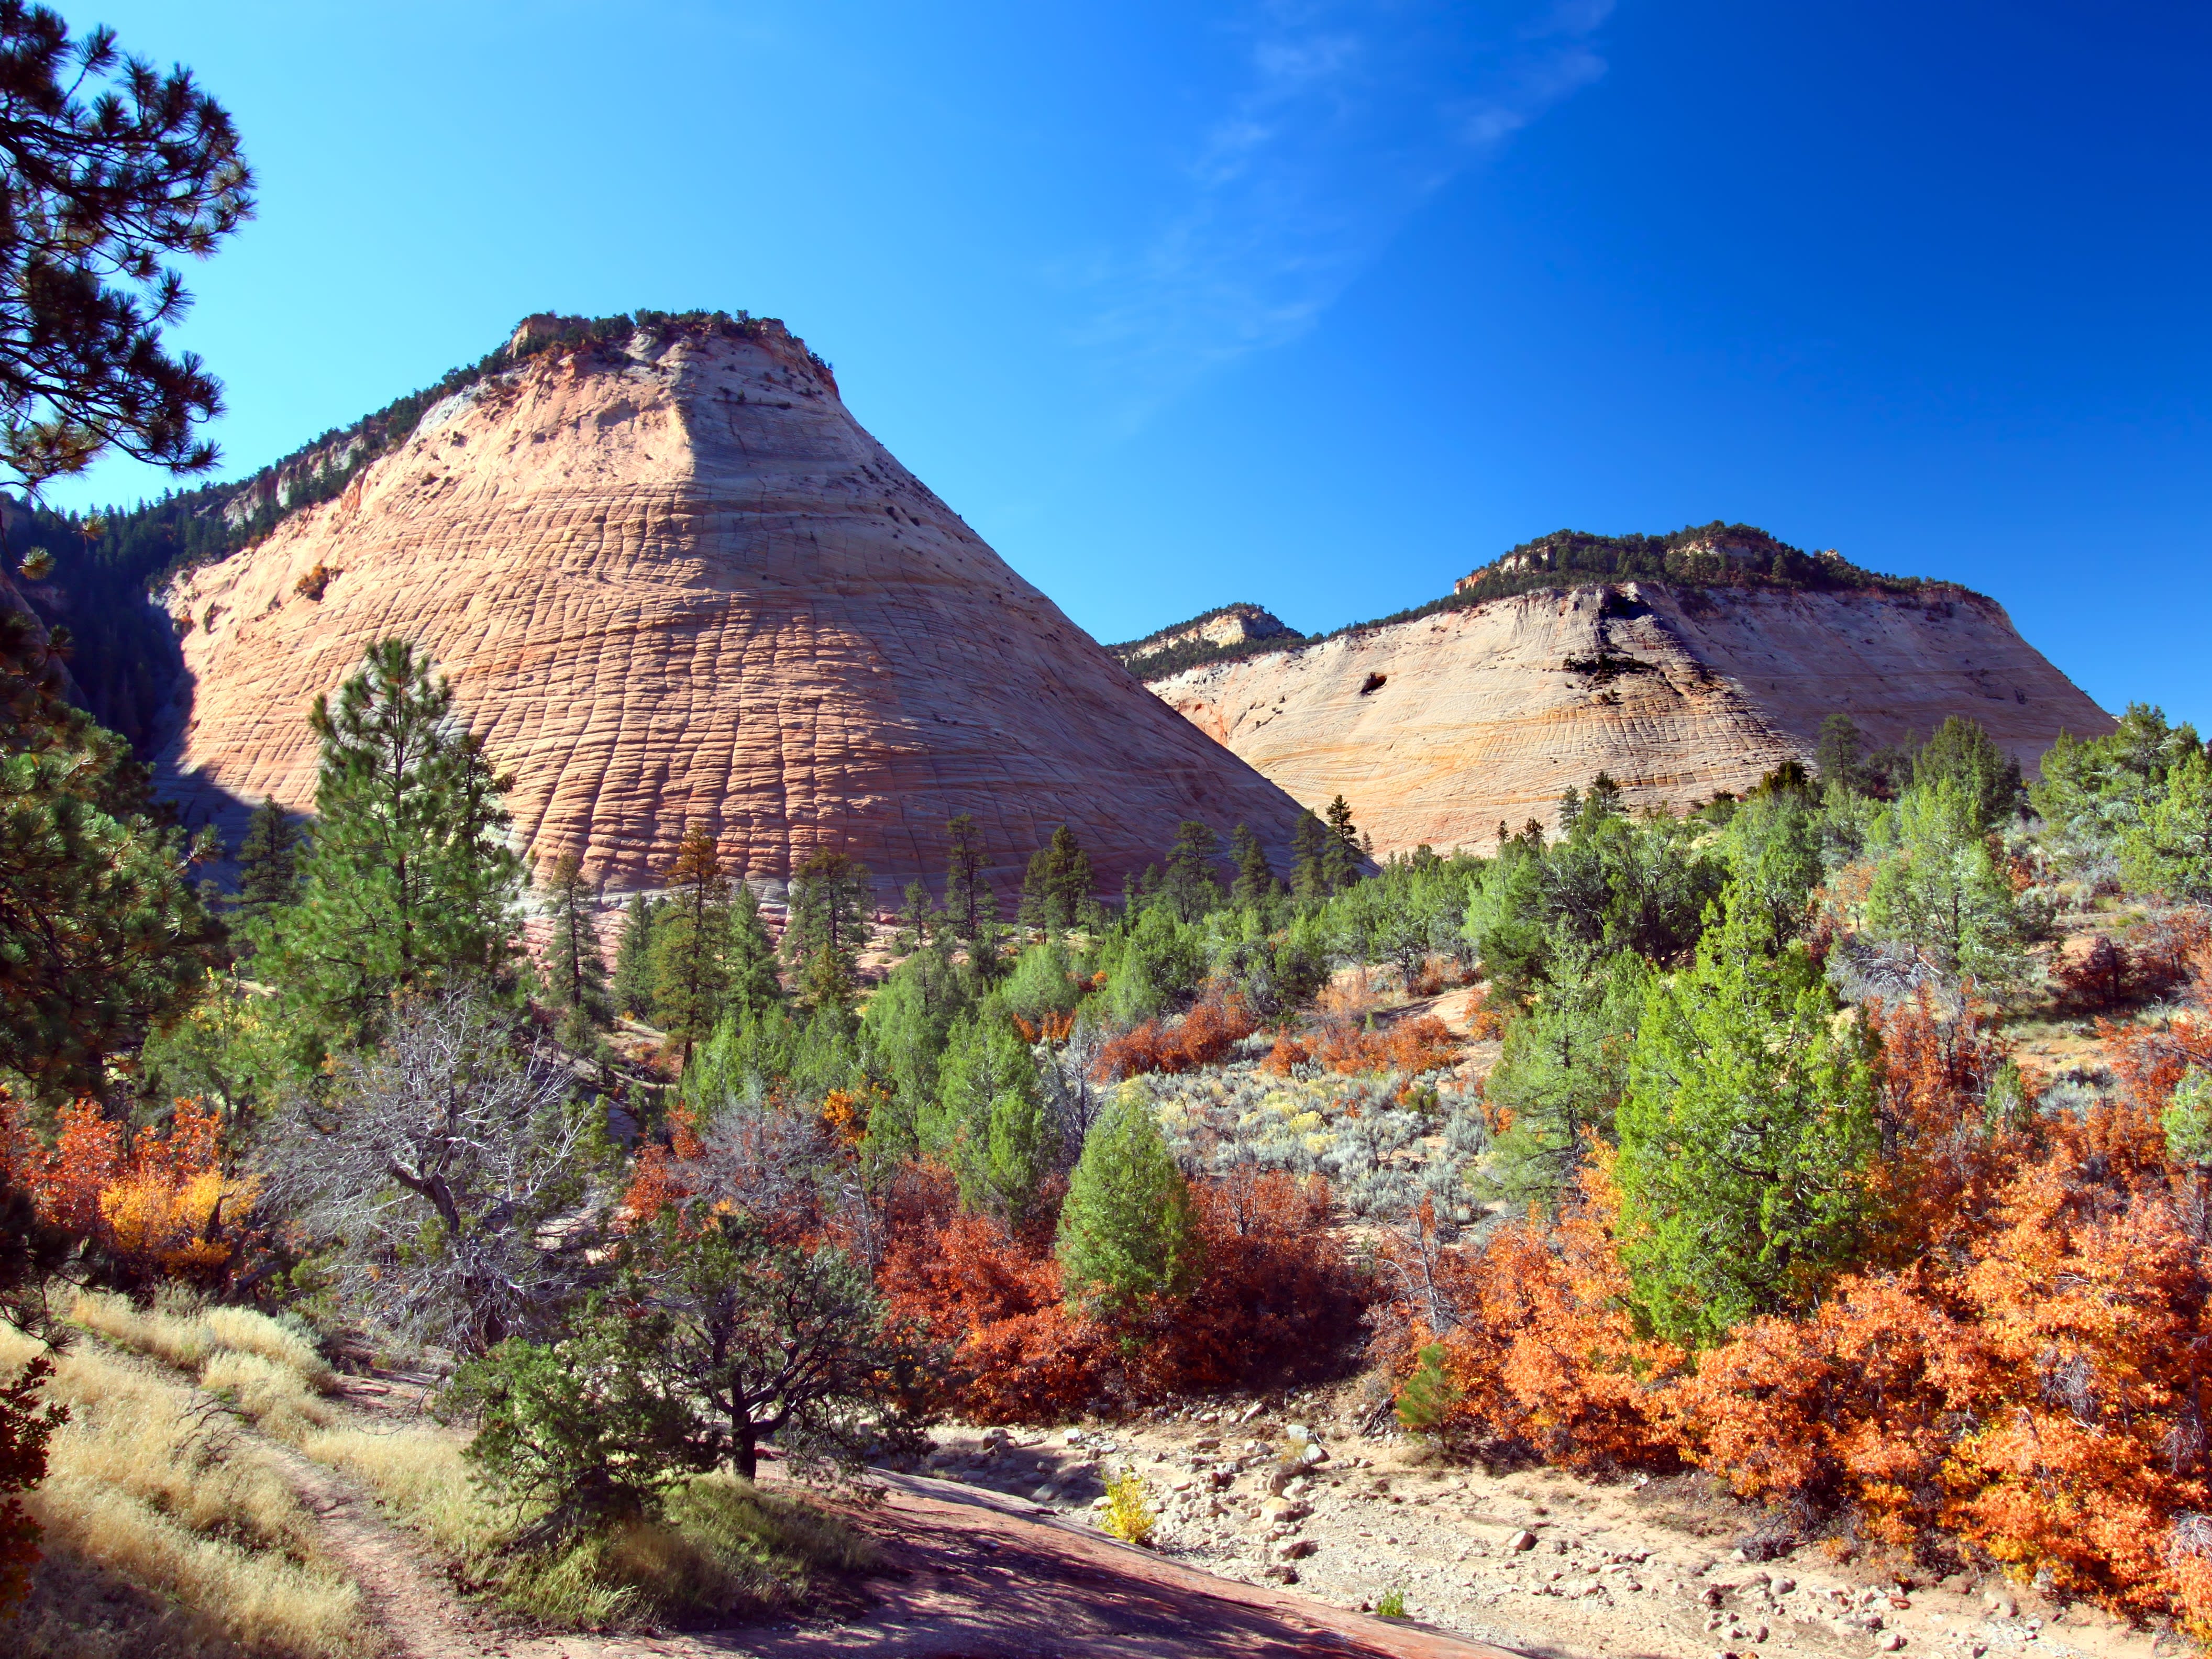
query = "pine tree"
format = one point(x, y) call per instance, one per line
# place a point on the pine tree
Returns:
point(914, 922)
point(1309, 843)
point(970, 907)
point(1072, 899)
point(1340, 852)
point(101, 936)
point(408, 885)
point(1031, 910)
point(1058, 893)
point(1190, 886)
point(691, 942)
point(575, 968)
point(754, 987)
point(1838, 753)
point(268, 860)
point(829, 926)
point(1127, 1233)
point(1604, 800)
point(633, 959)
point(1255, 882)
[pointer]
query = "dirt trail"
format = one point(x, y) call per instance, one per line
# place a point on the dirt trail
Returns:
point(407, 1594)
point(968, 1575)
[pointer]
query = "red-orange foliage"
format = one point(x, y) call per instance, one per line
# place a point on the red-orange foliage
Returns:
point(1201, 1037)
point(1422, 1044)
point(1276, 1297)
point(156, 1204)
point(2021, 1361)
point(1018, 1354)
point(1287, 1052)
point(1545, 1352)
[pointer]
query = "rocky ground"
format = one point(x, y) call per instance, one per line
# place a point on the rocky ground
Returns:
point(1533, 1560)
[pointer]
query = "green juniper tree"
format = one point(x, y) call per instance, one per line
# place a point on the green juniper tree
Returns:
point(2095, 792)
point(1561, 1074)
point(1962, 753)
point(2170, 850)
point(1341, 852)
point(1943, 894)
point(1128, 1235)
point(1746, 1134)
point(989, 1123)
point(408, 884)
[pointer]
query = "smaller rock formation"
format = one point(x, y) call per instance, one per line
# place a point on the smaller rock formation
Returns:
point(1216, 635)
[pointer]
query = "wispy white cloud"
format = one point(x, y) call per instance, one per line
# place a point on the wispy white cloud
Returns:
point(1349, 117)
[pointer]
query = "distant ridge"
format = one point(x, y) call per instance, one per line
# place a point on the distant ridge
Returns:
point(1716, 555)
point(1221, 635)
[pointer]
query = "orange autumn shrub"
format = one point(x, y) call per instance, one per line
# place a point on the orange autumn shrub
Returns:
point(1018, 1354)
point(1277, 1297)
point(154, 1205)
point(1287, 1052)
point(1204, 1036)
point(1485, 1022)
point(1422, 1044)
point(1544, 1353)
point(2020, 1363)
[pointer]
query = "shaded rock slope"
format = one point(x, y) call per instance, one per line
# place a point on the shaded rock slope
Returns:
point(674, 581)
point(1439, 728)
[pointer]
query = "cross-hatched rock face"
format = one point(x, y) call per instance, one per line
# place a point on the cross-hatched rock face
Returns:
point(677, 582)
point(1439, 729)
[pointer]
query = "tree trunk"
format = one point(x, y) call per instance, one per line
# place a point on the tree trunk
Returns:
point(744, 1455)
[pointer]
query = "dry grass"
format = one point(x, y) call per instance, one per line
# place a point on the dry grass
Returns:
point(150, 1488)
point(187, 1334)
point(417, 1473)
point(274, 1395)
point(723, 1547)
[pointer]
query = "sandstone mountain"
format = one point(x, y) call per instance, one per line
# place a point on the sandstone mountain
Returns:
point(1439, 726)
point(673, 581)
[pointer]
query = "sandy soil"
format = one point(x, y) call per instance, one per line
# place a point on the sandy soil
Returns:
point(1534, 1560)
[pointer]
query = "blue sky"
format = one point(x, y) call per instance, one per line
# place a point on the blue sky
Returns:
point(1316, 304)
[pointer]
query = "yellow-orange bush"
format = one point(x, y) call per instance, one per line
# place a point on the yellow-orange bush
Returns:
point(158, 1204)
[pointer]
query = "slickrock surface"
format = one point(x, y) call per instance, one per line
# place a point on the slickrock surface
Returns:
point(680, 582)
point(1438, 729)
